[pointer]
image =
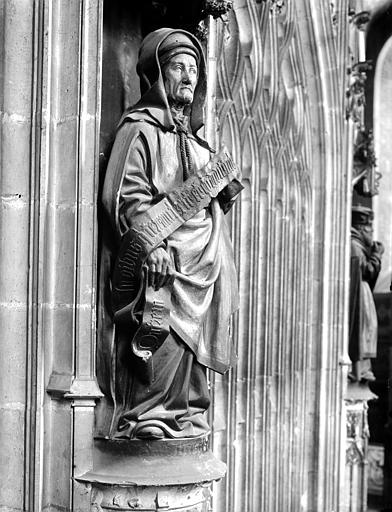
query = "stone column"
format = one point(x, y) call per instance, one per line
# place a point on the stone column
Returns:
point(68, 226)
point(356, 482)
point(17, 187)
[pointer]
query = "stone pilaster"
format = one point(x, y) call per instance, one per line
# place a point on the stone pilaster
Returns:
point(17, 361)
point(67, 265)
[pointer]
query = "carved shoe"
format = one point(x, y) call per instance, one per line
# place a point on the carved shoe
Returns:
point(149, 432)
point(368, 377)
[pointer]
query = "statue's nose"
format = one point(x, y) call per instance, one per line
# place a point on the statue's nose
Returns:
point(186, 78)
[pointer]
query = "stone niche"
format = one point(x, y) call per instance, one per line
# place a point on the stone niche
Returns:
point(131, 474)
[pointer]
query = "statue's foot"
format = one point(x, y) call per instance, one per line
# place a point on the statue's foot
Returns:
point(150, 432)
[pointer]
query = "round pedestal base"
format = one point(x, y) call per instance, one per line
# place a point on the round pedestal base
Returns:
point(169, 474)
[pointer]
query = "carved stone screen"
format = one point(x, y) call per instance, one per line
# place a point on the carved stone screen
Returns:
point(280, 107)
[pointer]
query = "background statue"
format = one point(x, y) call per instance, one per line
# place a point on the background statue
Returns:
point(169, 285)
point(365, 267)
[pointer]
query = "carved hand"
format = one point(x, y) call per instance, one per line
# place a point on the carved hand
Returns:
point(160, 268)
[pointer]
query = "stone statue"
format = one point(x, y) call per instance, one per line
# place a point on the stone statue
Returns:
point(365, 267)
point(169, 285)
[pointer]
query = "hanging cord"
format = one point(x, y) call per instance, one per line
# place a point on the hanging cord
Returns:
point(185, 151)
point(185, 154)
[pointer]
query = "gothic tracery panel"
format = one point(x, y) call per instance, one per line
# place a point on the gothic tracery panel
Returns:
point(264, 409)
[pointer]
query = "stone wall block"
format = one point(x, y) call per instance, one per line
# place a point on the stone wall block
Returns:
point(16, 71)
point(65, 59)
point(16, 54)
point(14, 212)
point(86, 316)
point(57, 465)
point(59, 280)
point(12, 456)
point(83, 449)
point(12, 374)
point(15, 156)
point(59, 325)
point(64, 162)
point(86, 215)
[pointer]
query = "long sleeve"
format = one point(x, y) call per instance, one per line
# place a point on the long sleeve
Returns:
point(135, 193)
point(127, 190)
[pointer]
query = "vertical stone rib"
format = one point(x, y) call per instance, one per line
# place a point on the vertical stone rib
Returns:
point(16, 66)
point(35, 391)
point(58, 256)
point(67, 270)
point(87, 186)
point(84, 389)
point(286, 332)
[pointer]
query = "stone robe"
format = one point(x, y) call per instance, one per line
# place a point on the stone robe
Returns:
point(365, 267)
point(145, 165)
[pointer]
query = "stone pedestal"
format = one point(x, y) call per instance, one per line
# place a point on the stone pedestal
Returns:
point(356, 487)
point(152, 475)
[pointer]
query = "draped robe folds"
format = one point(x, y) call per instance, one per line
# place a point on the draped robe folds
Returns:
point(146, 164)
point(365, 267)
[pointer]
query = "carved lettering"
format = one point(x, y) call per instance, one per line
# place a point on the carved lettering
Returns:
point(178, 208)
point(204, 185)
point(195, 193)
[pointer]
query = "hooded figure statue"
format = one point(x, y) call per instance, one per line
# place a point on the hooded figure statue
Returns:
point(364, 269)
point(168, 281)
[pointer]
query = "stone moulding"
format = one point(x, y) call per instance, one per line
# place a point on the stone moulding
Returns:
point(164, 462)
point(168, 474)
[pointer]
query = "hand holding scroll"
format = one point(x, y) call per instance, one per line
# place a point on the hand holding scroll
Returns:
point(160, 268)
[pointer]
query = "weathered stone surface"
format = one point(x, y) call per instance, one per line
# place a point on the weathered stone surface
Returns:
point(152, 463)
point(152, 475)
point(187, 498)
point(16, 64)
point(12, 422)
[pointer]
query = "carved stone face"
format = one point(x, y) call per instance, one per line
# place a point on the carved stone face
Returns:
point(180, 78)
point(367, 233)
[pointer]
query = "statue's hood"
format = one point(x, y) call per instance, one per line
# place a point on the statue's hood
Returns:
point(153, 102)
